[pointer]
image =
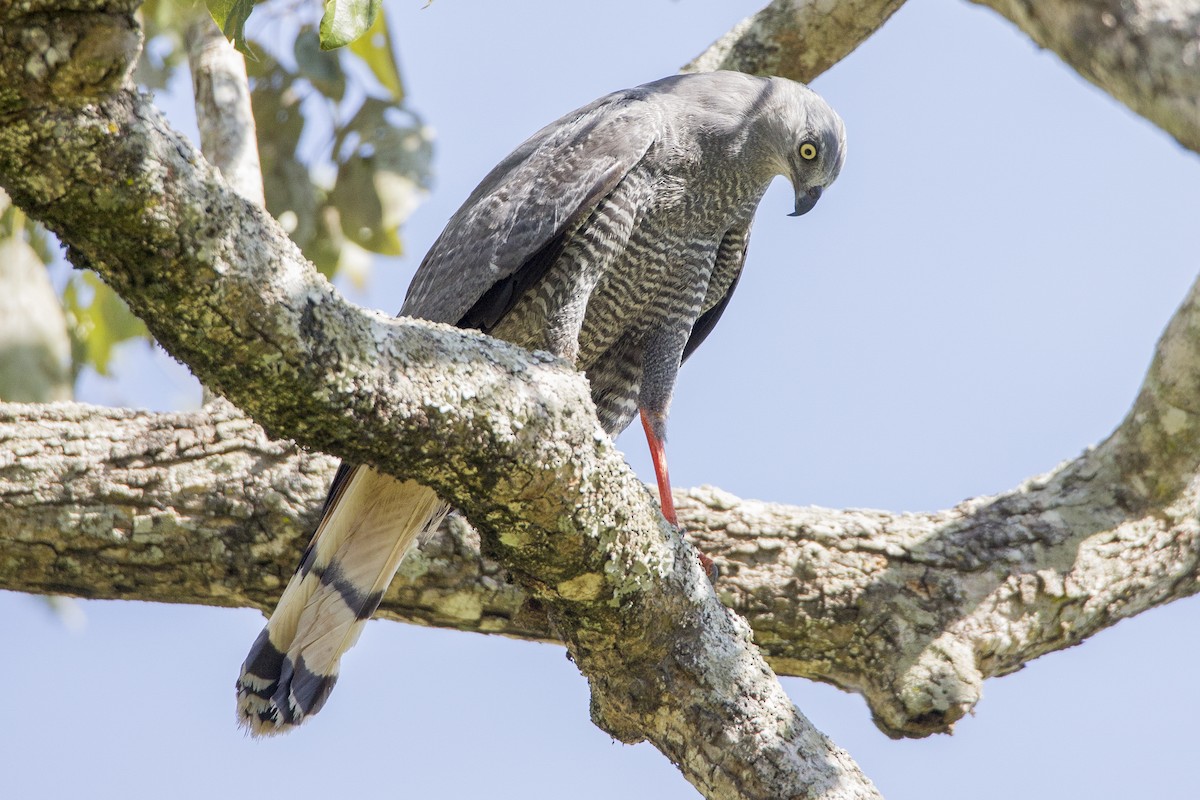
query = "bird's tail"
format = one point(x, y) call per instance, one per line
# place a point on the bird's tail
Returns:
point(370, 522)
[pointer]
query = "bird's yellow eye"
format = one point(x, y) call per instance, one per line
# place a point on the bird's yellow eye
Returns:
point(808, 151)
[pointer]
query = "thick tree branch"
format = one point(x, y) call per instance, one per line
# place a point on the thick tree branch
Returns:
point(508, 437)
point(1145, 54)
point(911, 610)
point(1100, 538)
point(202, 508)
point(797, 39)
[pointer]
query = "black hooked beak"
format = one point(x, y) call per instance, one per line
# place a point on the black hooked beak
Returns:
point(806, 200)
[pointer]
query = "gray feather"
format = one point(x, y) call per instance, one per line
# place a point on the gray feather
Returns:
point(552, 180)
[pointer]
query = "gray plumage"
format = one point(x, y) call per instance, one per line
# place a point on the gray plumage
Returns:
point(614, 238)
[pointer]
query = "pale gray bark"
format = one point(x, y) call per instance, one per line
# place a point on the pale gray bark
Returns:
point(797, 39)
point(911, 610)
point(1144, 53)
point(223, 114)
point(35, 351)
point(509, 437)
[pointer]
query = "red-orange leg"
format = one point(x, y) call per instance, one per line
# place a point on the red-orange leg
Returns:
point(658, 455)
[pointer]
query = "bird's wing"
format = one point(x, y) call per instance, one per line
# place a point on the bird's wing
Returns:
point(512, 227)
point(727, 269)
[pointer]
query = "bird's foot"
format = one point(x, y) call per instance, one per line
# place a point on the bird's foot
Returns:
point(709, 566)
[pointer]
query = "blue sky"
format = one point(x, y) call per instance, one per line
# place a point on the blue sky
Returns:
point(975, 300)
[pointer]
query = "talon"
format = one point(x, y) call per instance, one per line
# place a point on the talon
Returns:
point(707, 564)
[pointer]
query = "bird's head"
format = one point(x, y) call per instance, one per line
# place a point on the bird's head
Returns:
point(810, 140)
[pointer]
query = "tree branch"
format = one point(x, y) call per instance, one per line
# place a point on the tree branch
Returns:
point(797, 39)
point(911, 610)
point(223, 114)
point(1100, 538)
point(507, 436)
point(1147, 55)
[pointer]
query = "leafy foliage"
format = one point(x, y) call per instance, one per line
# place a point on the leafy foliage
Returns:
point(98, 320)
point(376, 51)
point(343, 21)
point(231, 16)
point(353, 196)
point(340, 201)
point(346, 20)
point(163, 22)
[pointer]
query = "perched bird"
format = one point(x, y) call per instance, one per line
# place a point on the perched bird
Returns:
point(612, 238)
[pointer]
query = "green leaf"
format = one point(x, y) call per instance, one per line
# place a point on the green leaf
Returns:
point(291, 196)
point(377, 52)
point(346, 20)
point(325, 248)
point(231, 16)
point(381, 180)
point(100, 323)
point(322, 68)
point(361, 210)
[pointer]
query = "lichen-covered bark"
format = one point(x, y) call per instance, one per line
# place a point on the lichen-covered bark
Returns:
point(509, 437)
point(797, 39)
point(911, 610)
point(202, 508)
point(223, 113)
point(1144, 53)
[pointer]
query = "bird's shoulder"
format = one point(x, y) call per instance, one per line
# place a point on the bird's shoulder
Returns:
point(548, 183)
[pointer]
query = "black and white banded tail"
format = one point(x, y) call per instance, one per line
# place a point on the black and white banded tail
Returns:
point(370, 522)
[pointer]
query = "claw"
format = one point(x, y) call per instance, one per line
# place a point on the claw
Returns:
point(709, 566)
